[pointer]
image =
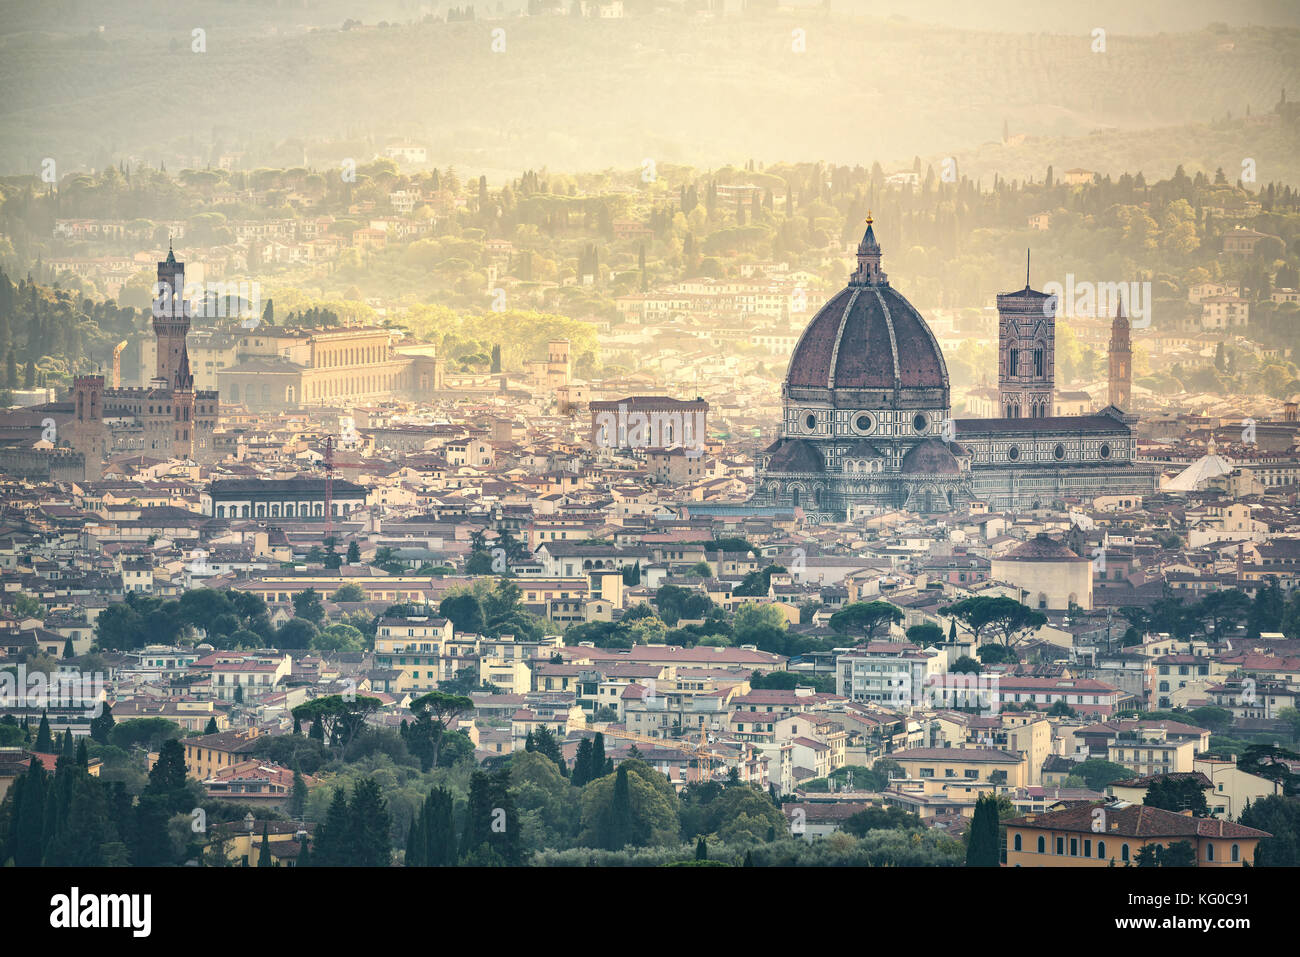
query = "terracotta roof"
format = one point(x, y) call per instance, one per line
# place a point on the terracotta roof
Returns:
point(1134, 820)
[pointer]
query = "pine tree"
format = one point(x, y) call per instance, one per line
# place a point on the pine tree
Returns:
point(102, 725)
point(211, 727)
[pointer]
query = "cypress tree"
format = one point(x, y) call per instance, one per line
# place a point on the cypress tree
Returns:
point(44, 742)
point(701, 850)
point(167, 778)
point(298, 799)
point(333, 838)
point(982, 842)
point(582, 764)
point(28, 818)
point(432, 842)
point(598, 756)
point(211, 727)
point(617, 829)
point(264, 854)
point(370, 826)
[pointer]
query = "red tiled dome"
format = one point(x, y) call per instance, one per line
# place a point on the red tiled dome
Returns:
point(868, 337)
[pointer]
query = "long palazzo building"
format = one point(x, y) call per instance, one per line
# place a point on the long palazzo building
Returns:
point(867, 420)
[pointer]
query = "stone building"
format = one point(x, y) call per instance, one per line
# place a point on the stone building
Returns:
point(1048, 573)
point(866, 423)
point(281, 498)
point(280, 369)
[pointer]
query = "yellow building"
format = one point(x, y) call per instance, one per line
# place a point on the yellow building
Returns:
point(1102, 835)
point(210, 753)
point(986, 765)
point(413, 646)
point(242, 841)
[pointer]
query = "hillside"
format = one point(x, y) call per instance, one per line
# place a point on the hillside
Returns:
point(670, 89)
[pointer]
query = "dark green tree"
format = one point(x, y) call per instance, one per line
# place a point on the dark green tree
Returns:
point(982, 838)
point(264, 852)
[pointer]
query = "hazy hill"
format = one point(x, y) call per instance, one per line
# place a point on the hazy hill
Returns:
point(583, 94)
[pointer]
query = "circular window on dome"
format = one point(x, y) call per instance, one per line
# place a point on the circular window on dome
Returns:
point(810, 422)
point(863, 422)
point(920, 422)
point(1059, 451)
point(1013, 453)
point(1104, 451)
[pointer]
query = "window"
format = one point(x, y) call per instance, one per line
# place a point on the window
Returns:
point(1123, 852)
point(1017, 842)
point(1060, 845)
point(1042, 844)
point(1013, 453)
point(1236, 853)
point(1074, 847)
point(1101, 850)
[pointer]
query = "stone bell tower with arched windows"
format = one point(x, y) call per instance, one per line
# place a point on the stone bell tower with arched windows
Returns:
point(1026, 353)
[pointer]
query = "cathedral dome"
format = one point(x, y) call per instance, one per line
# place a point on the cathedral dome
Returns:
point(869, 338)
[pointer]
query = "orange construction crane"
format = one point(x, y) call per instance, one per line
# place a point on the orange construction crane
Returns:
point(329, 486)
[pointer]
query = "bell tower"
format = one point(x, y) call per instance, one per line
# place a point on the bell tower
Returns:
point(1026, 352)
point(1121, 361)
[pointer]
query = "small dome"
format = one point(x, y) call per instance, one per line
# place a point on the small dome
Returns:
point(930, 457)
point(796, 455)
point(1043, 548)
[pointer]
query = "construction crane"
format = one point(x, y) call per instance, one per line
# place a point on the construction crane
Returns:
point(704, 758)
point(329, 486)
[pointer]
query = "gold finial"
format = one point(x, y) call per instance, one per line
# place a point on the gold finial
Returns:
point(869, 219)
